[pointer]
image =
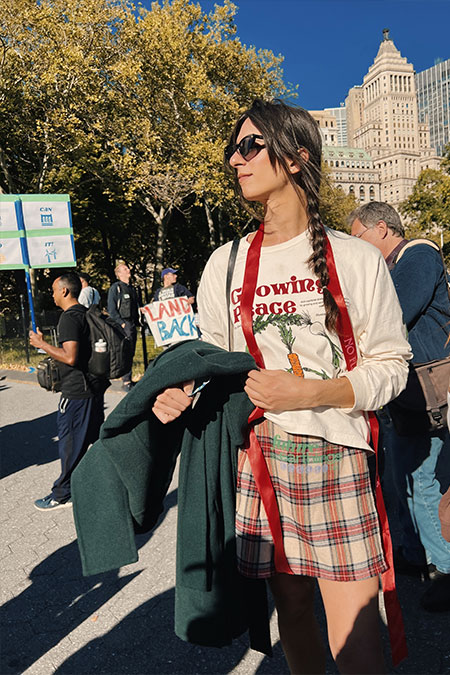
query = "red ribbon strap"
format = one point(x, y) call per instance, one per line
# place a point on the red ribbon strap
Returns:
point(393, 611)
point(255, 455)
point(258, 463)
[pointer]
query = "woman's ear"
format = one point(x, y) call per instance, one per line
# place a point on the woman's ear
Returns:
point(293, 166)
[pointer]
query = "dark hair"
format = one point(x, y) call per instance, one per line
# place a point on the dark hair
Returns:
point(85, 276)
point(71, 281)
point(287, 130)
point(371, 213)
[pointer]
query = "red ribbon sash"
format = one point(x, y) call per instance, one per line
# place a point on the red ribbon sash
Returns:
point(257, 461)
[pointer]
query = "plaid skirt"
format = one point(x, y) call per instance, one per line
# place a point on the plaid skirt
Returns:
point(328, 515)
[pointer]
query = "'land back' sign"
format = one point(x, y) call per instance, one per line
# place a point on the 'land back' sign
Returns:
point(171, 321)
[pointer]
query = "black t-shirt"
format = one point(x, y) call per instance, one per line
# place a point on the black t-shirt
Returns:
point(72, 326)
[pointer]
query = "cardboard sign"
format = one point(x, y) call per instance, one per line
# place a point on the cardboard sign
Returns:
point(171, 321)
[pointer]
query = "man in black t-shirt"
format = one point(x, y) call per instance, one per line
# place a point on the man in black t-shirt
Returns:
point(80, 410)
point(123, 307)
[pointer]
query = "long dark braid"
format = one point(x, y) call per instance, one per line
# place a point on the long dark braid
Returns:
point(318, 262)
point(288, 130)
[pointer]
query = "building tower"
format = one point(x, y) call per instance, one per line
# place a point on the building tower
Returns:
point(390, 131)
point(340, 115)
point(433, 98)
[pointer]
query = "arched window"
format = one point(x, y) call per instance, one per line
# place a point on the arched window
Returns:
point(362, 193)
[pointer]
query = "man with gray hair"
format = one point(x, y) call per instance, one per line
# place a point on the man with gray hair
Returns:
point(420, 458)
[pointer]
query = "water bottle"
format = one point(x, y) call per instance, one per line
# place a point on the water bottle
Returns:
point(100, 345)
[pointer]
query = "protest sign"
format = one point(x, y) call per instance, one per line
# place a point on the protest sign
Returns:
point(13, 252)
point(48, 227)
point(171, 321)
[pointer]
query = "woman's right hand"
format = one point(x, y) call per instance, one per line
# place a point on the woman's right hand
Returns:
point(173, 401)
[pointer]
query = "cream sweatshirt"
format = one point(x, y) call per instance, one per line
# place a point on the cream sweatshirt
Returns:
point(288, 322)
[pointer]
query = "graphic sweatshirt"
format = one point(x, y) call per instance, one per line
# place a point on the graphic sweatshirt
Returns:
point(289, 327)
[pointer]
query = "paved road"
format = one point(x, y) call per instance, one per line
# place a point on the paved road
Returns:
point(56, 621)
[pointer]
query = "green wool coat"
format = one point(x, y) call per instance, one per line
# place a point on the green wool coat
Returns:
point(119, 486)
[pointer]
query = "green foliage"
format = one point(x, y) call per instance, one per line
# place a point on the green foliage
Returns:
point(427, 209)
point(128, 111)
point(335, 205)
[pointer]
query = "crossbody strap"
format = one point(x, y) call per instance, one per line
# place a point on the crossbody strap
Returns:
point(230, 270)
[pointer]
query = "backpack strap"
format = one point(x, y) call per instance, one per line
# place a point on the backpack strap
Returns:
point(119, 292)
point(230, 270)
point(414, 242)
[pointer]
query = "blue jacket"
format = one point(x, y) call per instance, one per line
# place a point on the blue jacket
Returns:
point(421, 284)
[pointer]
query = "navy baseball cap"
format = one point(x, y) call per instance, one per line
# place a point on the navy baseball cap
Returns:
point(168, 270)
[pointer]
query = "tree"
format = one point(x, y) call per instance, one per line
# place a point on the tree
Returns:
point(128, 111)
point(192, 78)
point(335, 205)
point(427, 209)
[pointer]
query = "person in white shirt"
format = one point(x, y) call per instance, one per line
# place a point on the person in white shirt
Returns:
point(312, 428)
point(89, 295)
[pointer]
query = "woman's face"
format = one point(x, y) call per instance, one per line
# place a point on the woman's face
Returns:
point(258, 179)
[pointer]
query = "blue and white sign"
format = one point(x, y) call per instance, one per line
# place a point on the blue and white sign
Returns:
point(44, 215)
point(48, 226)
point(13, 250)
point(50, 251)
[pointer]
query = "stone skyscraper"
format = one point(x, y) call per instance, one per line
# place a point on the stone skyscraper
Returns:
point(383, 120)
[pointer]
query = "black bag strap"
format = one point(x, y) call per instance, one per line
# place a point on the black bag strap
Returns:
point(230, 270)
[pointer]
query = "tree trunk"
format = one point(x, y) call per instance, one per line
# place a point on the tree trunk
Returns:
point(162, 218)
point(210, 221)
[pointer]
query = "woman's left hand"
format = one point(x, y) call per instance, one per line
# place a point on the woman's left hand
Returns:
point(279, 390)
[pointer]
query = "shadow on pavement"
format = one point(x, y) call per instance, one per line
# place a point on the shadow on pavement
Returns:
point(26, 443)
point(57, 602)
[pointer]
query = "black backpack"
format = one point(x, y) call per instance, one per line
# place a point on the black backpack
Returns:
point(116, 357)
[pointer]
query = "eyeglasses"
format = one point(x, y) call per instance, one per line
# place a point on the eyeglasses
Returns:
point(360, 234)
point(247, 148)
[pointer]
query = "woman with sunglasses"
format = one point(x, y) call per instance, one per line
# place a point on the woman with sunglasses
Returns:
point(309, 425)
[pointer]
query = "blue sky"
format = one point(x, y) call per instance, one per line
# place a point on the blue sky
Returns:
point(329, 45)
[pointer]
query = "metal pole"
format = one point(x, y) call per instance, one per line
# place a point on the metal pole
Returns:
point(30, 299)
point(24, 326)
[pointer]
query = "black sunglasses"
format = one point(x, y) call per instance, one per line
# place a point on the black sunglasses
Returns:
point(247, 148)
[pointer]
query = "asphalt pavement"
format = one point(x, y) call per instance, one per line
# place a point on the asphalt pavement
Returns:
point(54, 620)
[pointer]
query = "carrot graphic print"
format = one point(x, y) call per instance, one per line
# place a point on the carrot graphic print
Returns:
point(284, 322)
point(287, 338)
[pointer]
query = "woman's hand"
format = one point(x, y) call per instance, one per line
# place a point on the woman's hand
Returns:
point(173, 401)
point(279, 390)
